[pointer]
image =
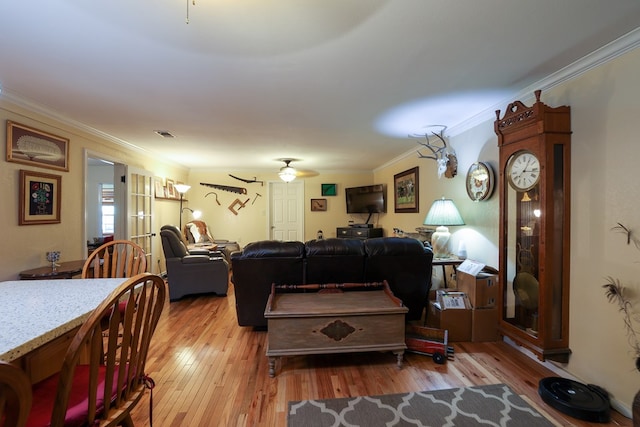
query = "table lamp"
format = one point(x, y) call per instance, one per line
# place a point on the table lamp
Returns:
point(443, 213)
point(195, 213)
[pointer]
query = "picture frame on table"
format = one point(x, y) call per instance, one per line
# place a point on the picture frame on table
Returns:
point(406, 191)
point(159, 187)
point(40, 196)
point(34, 147)
point(170, 189)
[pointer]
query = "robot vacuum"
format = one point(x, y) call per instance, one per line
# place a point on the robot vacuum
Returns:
point(584, 402)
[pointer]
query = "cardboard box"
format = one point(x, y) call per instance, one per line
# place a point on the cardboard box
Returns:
point(482, 288)
point(457, 321)
point(484, 324)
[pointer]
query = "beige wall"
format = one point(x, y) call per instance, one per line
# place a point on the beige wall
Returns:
point(605, 152)
point(25, 246)
point(480, 234)
point(605, 103)
point(251, 222)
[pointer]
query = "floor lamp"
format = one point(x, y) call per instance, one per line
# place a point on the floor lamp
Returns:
point(181, 188)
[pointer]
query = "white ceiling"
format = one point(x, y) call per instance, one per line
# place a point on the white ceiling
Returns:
point(338, 84)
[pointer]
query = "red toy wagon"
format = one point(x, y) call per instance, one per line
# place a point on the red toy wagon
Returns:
point(429, 341)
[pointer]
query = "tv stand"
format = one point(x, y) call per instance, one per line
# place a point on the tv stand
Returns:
point(358, 232)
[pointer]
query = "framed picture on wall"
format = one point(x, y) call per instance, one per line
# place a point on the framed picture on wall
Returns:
point(328, 189)
point(37, 148)
point(39, 198)
point(406, 192)
point(318, 205)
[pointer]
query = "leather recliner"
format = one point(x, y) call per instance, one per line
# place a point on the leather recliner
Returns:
point(406, 264)
point(189, 273)
point(254, 270)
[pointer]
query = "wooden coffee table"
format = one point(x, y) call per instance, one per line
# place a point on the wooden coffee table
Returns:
point(64, 270)
point(347, 322)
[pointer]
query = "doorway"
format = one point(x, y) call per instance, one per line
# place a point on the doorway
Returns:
point(118, 204)
point(286, 211)
point(100, 205)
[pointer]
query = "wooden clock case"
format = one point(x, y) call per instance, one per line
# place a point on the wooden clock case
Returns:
point(535, 230)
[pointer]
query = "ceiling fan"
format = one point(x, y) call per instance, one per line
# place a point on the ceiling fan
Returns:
point(288, 173)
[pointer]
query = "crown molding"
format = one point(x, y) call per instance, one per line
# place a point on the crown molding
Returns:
point(608, 52)
point(36, 108)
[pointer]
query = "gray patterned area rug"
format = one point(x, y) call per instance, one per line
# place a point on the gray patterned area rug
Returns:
point(489, 405)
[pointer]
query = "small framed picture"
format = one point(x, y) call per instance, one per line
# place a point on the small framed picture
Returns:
point(329, 190)
point(159, 187)
point(318, 205)
point(170, 190)
point(39, 198)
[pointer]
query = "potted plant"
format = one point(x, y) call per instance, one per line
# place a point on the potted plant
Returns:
point(617, 294)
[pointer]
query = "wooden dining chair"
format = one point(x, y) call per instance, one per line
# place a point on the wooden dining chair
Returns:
point(92, 390)
point(118, 258)
point(15, 396)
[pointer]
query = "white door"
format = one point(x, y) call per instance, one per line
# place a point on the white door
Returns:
point(286, 211)
point(134, 216)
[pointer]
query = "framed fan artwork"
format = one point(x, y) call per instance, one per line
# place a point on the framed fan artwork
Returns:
point(34, 147)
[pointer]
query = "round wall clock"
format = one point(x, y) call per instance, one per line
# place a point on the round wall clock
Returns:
point(480, 181)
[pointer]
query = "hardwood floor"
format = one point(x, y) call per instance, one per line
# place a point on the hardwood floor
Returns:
point(211, 372)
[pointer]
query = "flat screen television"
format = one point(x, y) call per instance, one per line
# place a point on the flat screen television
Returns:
point(367, 199)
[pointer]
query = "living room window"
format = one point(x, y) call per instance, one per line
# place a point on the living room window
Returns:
point(107, 208)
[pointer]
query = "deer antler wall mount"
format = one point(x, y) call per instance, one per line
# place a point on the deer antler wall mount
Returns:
point(441, 152)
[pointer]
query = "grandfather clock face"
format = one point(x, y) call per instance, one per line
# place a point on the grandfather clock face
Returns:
point(523, 170)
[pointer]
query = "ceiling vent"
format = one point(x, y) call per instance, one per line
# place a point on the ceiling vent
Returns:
point(164, 133)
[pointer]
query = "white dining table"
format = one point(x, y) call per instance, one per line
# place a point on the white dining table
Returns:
point(35, 312)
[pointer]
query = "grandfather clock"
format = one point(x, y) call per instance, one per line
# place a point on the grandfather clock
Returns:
point(535, 153)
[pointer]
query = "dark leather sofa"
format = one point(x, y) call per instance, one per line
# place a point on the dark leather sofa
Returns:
point(255, 268)
point(405, 263)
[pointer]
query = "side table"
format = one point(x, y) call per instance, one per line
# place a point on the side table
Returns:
point(65, 270)
point(455, 262)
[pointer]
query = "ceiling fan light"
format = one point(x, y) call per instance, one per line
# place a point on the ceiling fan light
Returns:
point(287, 174)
